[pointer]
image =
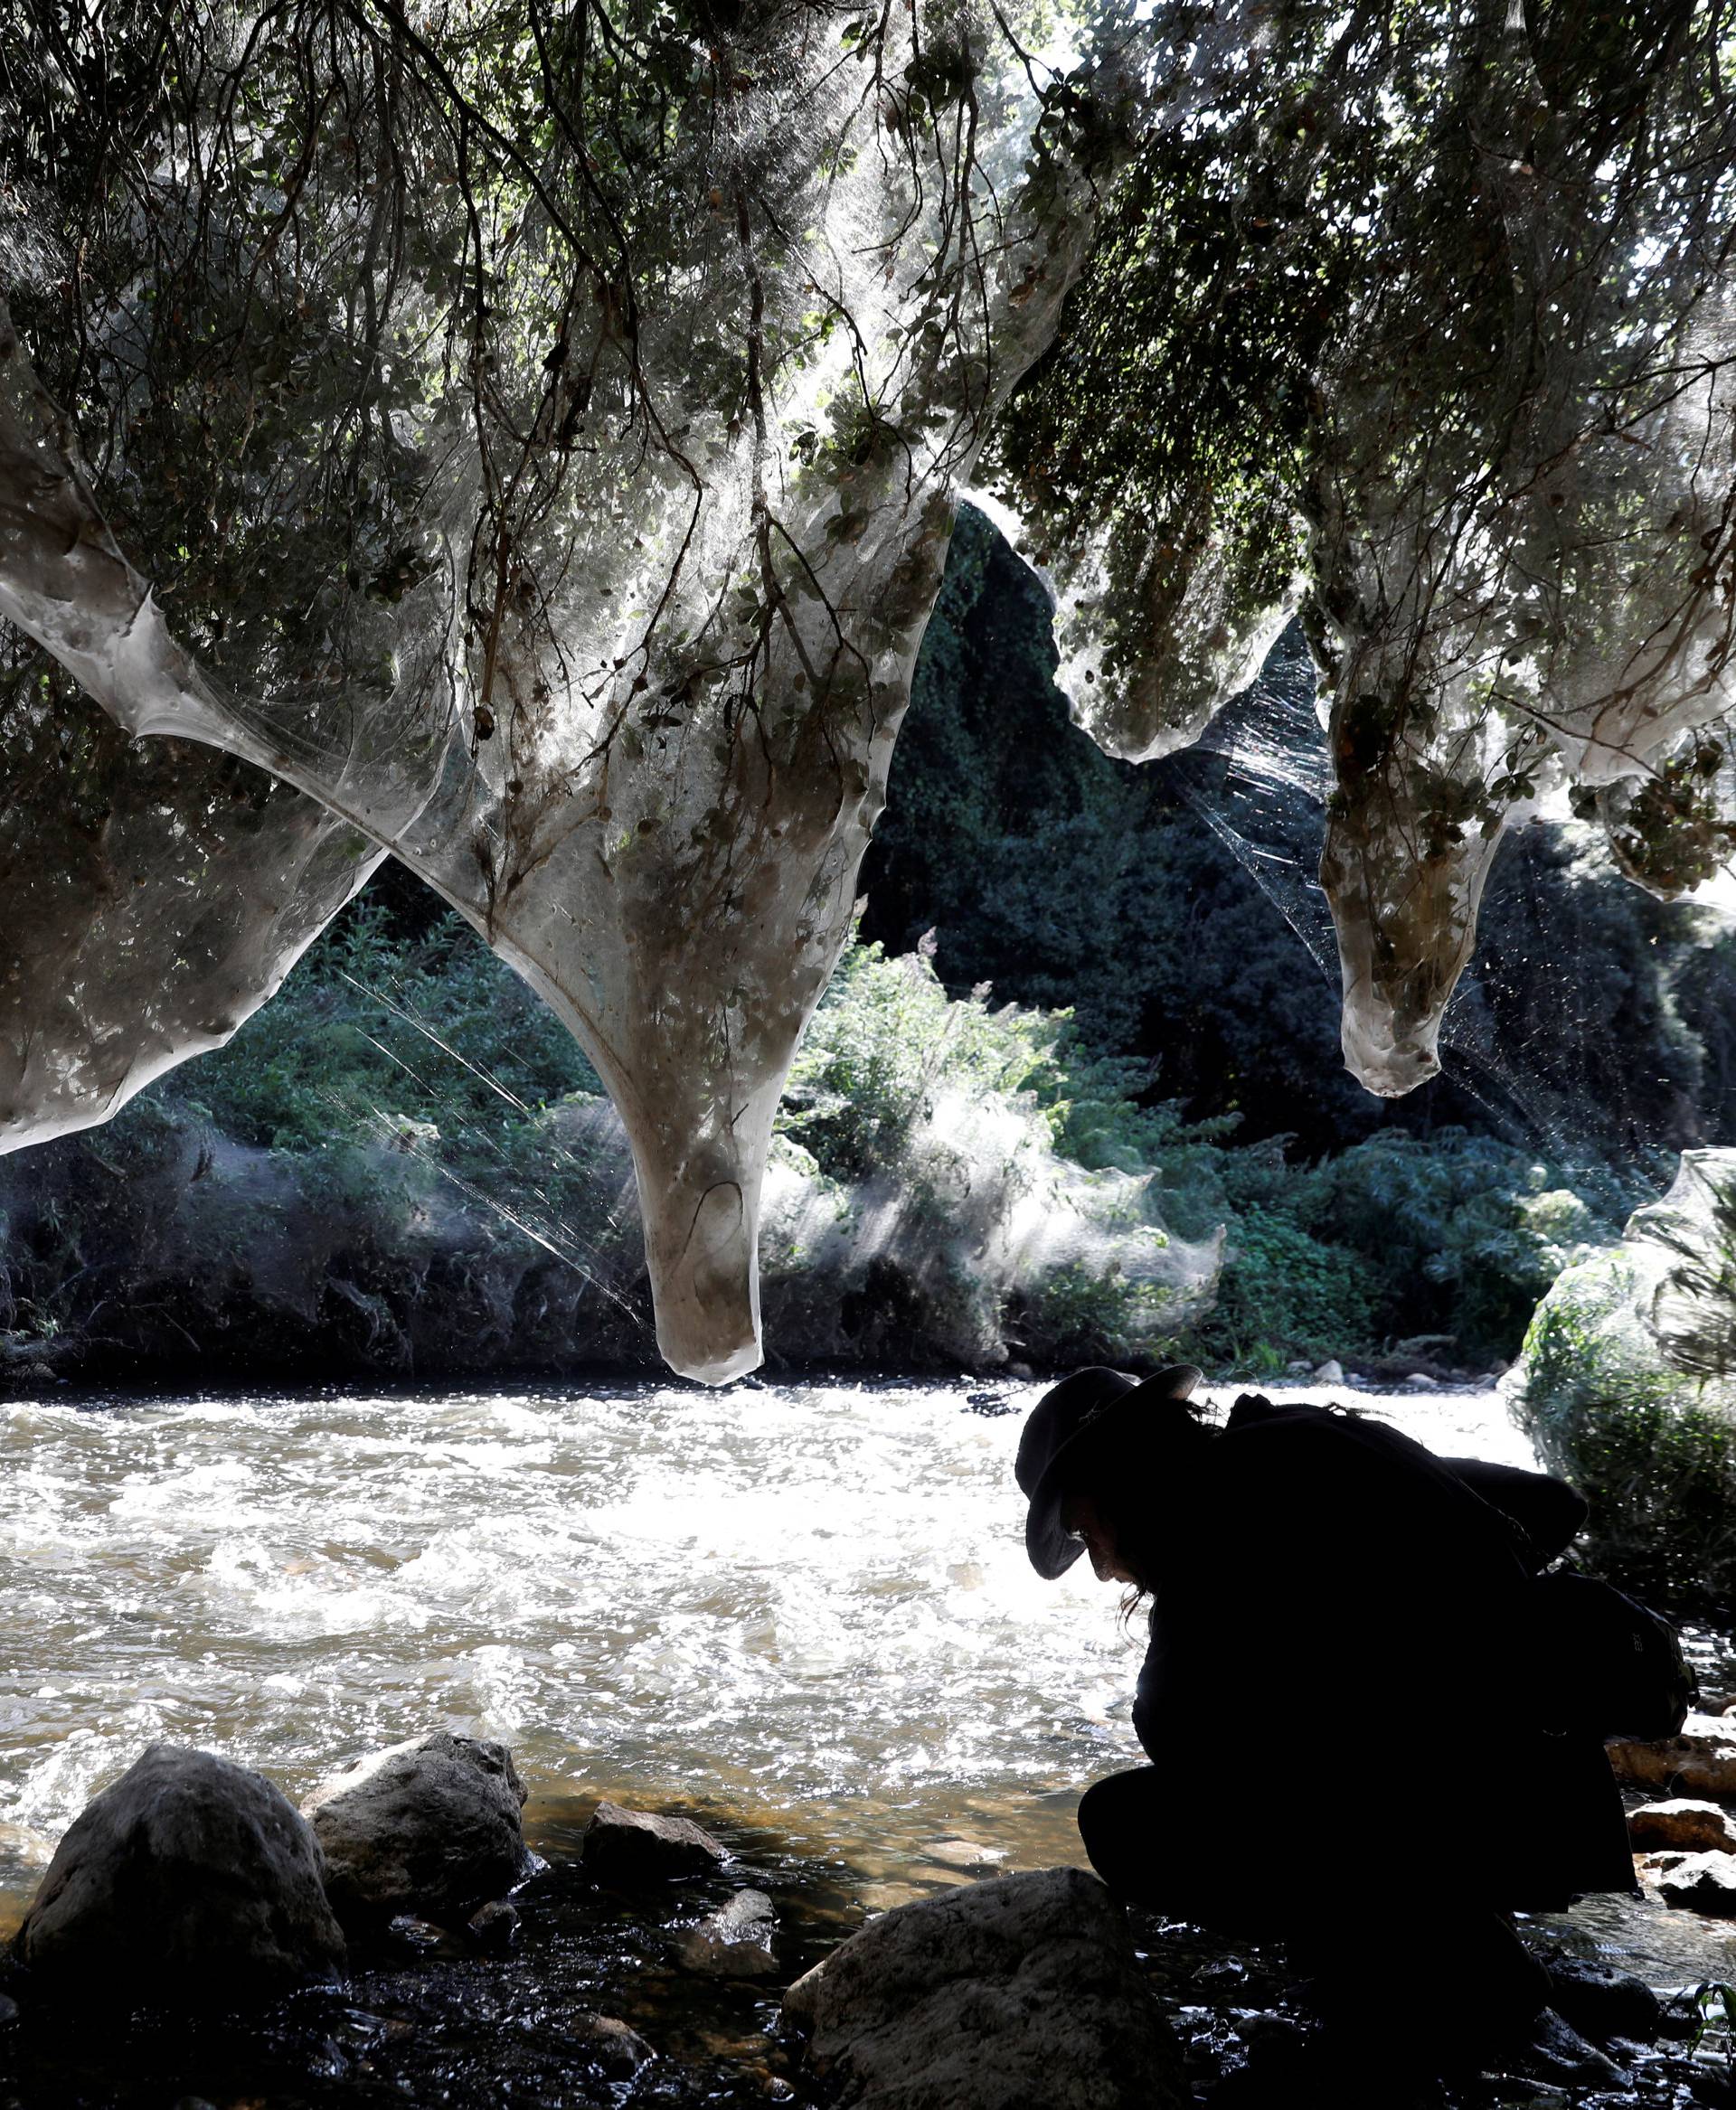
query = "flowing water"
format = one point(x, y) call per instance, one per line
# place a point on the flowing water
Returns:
point(806, 1608)
point(801, 1611)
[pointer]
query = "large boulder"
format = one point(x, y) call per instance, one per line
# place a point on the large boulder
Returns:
point(1603, 2003)
point(190, 1882)
point(430, 1827)
point(1702, 1882)
point(1021, 1994)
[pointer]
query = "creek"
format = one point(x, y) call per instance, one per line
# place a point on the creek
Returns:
point(801, 1613)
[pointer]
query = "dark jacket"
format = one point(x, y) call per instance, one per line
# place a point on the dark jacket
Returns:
point(1340, 1635)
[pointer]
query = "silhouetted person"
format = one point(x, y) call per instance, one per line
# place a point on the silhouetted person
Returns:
point(1337, 1702)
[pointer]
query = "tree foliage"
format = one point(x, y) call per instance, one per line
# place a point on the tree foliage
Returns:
point(1420, 323)
point(532, 431)
point(538, 428)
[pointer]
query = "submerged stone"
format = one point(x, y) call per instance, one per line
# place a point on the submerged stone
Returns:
point(429, 1827)
point(189, 1882)
point(609, 2043)
point(23, 1848)
point(1022, 1990)
point(421, 1937)
point(638, 1846)
point(494, 1927)
point(963, 1853)
point(736, 1942)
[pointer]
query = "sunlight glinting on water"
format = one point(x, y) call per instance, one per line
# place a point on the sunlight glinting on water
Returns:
point(760, 1598)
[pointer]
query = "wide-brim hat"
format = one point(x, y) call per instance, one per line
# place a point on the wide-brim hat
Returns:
point(1063, 1436)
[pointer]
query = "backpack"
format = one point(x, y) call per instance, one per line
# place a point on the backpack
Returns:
point(1606, 1664)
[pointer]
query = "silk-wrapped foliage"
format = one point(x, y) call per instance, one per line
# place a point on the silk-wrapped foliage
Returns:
point(1421, 323)
point(530, 433)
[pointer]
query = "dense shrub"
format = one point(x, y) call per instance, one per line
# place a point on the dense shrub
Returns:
point(1650, 1447)
point(1284, 1293)
point(1077, 1313)
point(887, 1036)
point(1457, 1234)
point(884, 1039)
point(433, 1031)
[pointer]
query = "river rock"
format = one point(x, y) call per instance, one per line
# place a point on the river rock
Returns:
point(1602, 2002)
point(1022, 1990)
point(419, 1938)
point(1558, 2054)
point(1330, 1373)
point(494, 1927)
point(618, 2050)
point(189, 1882)
point(735, 1942)
point(1691, 1827)
point(962, 1853)
point(1701, 1761)
point(429, 1828)
point(1701, 1882)
point(625, 1846)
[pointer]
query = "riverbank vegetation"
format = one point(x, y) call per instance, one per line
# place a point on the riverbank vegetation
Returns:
point(407, 1148)
point(1628, 1385)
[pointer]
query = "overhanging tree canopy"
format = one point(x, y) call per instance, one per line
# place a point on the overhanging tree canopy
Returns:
point(1424, 325)
point(547, 427)
point(529, 434)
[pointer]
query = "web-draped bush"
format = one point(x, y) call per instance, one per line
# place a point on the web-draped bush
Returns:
point(887, 1037)
point(376, 1028)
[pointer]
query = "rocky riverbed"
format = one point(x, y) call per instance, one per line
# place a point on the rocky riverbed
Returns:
point(595, 1996)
